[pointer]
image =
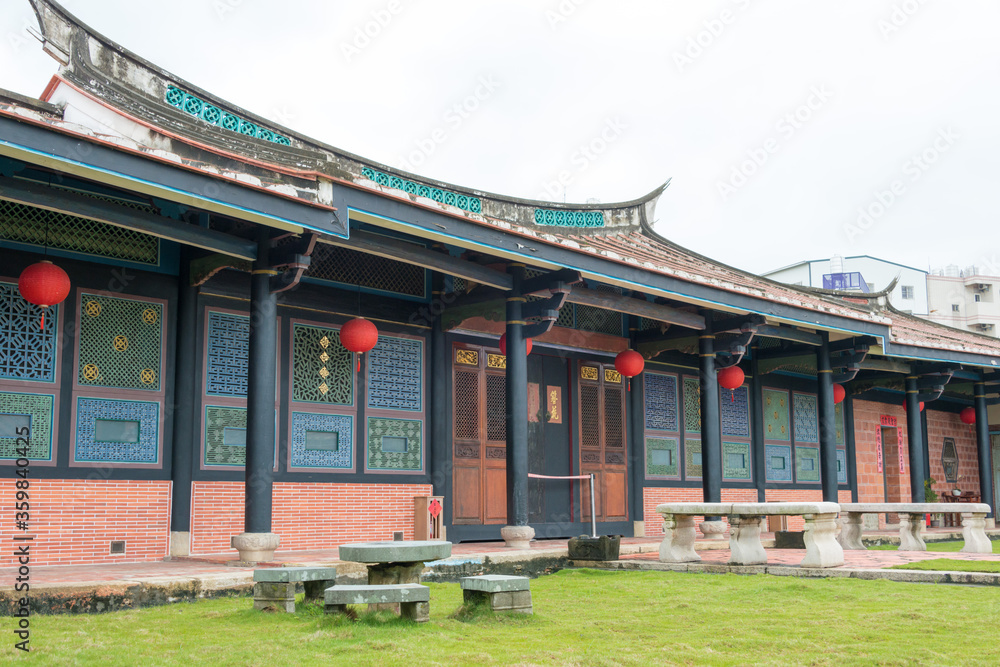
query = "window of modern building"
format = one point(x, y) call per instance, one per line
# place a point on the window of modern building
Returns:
point(907, 291)
point(954, 308)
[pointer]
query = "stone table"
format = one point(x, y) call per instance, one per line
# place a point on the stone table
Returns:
point(396, 562)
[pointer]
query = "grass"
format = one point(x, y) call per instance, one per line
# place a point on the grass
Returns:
point(950, 565)
point(582, 617)
point(936, 546)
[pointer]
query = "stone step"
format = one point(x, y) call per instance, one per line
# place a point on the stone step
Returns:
point(377, 594)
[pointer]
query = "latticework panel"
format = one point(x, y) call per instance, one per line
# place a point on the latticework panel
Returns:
point(804, 411)
point(351, 267)
point(841, 466)
point(736, 460)
point(27, 352)
point(660, 393)
point(734, 408)
point(589, 318)
point(590, 416)
point(776, 415)
point(692, 458)
point(33, 411)
point(464, 202)
point(778, 463)
point(662, 457)
point(338, 454)
point(614, 421)
point(692, 405)
point(322, 368)
point(394, 444)
point(566, 316)
point(466, 405)
point(496, 407)
point(120, 343)
point(27, 224)
point(228, 350)
point(141, 446)
point(395, 374)
point(807, 464)
point(219, 447)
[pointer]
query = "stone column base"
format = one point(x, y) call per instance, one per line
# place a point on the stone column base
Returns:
point(180, 543)
point(714, 530)
point(639, 529)
point(517, 537)
point(255, 547)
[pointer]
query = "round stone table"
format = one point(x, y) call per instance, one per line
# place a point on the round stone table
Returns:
point(396, 562)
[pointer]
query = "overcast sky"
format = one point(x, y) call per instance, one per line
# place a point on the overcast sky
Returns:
point(791, 130)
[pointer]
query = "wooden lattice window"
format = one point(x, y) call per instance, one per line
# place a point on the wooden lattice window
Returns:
point(351, 267)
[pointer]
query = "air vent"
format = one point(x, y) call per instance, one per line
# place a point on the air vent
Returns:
point(118, 546)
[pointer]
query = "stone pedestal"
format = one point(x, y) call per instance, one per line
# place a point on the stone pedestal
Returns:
point(256, 547)
point(910, 528)
point(501, 592)
point(745, 547)
point(850, 531)
point(393, 573)
point(974, 534)
point(517, 537)
point(714, 530)
point(274, 595)
point(180, 543)
point(678, 539)
point(822, 548)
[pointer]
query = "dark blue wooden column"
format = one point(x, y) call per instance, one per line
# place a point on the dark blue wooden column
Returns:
point(261, 392)
point(711, 425)
point(757, 448)
point(915, 436)
point(185, 391)
point(827, 421)
point(636, 406)
point(983, 444)
point(440, 417)
point(517, 418)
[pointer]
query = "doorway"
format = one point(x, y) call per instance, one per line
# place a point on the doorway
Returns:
point(892, 476)
point(995, 443)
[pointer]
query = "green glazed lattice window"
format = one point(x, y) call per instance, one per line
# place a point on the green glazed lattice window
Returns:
point(120, 343)
point(662, 457)
point(213, 116)
point(563, 218)
point(219, 450)
point(37, 408)
point(394, 444)
point(464, 202)
point(322, 369)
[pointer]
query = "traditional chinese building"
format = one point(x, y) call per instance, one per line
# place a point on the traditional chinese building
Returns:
point(194, 386)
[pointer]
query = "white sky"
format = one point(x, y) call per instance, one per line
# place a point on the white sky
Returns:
point(537, 82)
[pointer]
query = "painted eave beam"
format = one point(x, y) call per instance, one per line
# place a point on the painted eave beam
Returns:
point(638, 307)
point(410, 253)
point(789, 333)
point(81, 206)
point(884, 364)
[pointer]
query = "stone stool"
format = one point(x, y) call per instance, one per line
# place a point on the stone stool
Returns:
point(275, 586)
point(501, 591)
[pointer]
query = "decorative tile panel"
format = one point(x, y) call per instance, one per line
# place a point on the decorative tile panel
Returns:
point(661, 402)
point(734, 408)
point(807, 464)
point(120, 343)
point(303, 456)
point(212, 115)
point(692, 405)
point(27, 352)
point(841, 466)
point(564, 218)
point(776, 415)
point(662, 457)
point(692, 459)
point(144, 449)
point(778, 463)
point(38, 409)
point(464, 202)
point(383, 432)
point(804, 410)
point(736, 460)
point(322, 368)
point(217, 420)
point(838, 421)
point(395, 374)
point(227, 355)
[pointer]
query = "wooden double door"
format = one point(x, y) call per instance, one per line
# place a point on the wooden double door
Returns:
point(556, 507)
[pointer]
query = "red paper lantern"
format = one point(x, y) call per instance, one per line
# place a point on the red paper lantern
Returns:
point(921, 405)
point(731, 377)
point(503, 345)
point(43, 284)
point(838, 393)
point(629, 363)
point(968, 415)
point(359, 335)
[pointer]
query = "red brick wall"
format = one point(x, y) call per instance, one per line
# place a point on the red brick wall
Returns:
point(871, 484)
point(306, 516)
point(74, 521)
point(941, 425)
point(657, 495)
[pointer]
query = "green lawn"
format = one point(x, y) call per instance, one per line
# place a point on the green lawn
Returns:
point(950, 565)
point(937, 546)
point(582, 617)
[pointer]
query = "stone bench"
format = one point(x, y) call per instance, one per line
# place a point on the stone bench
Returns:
point(822, 549)
point(413, 599)
point(911, 523)
point(275, 586)
point(502, 592)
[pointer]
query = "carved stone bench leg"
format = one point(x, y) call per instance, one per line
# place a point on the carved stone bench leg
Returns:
point(678, 539)
point(744, 541)
point(820, 537)
point(419, 612)
point(850, 531)
point(910, 527)
point(974, 533)
point(335, 608)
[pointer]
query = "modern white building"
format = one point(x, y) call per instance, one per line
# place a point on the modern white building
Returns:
point(861, 273)
point(964, 298)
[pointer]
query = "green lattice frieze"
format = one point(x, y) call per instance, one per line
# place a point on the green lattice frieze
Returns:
point(776, 415)
point(564, 218)
point(225, 436)
point(27, 224)
point(394, 444)
point(33, 411)
point(692, 405)
point(662, 457)
point(464, 202)
point(120, 343)
point(735, 460)
point(807, 464)
point(212, 115)
point(322, 369)
point(692, 458)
